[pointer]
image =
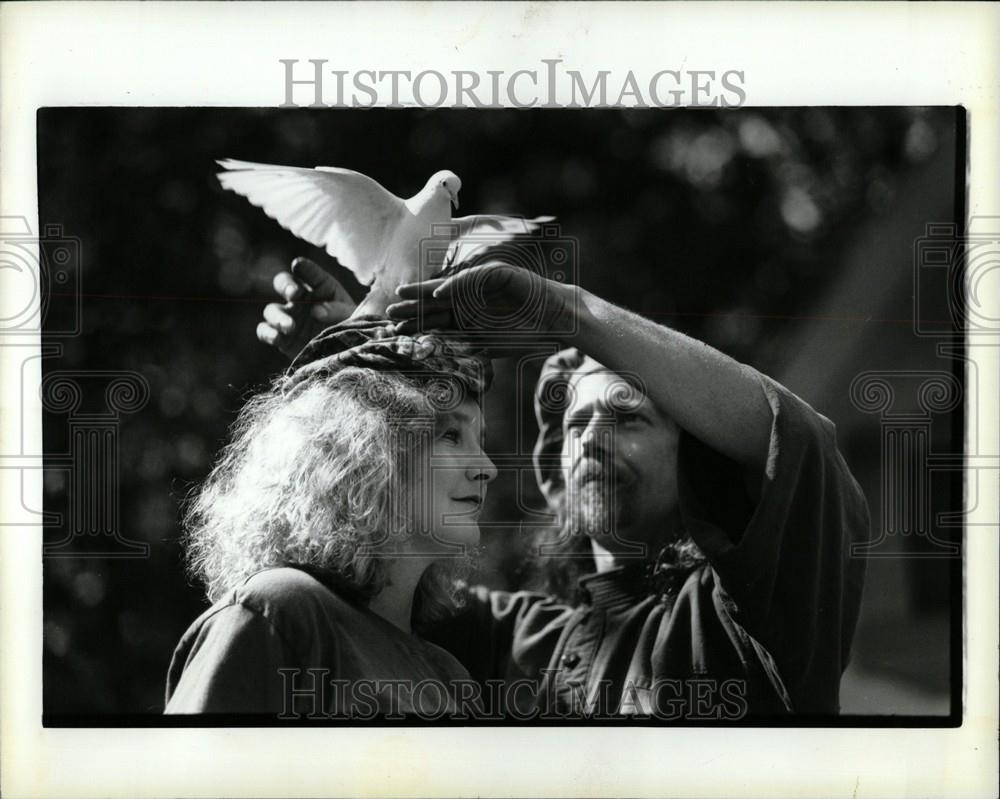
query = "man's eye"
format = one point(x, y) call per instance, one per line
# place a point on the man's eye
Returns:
point(452, 434)
point(628, 417)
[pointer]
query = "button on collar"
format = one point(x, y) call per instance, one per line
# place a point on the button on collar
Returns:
point(570, 660)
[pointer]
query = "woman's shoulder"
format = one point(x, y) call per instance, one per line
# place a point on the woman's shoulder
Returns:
point(276, 618)
point(291, 597)
point(281, 583)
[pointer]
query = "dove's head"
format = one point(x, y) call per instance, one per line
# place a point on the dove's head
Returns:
point(447, 182)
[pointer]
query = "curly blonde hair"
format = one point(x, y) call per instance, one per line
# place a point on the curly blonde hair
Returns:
point(310, 478)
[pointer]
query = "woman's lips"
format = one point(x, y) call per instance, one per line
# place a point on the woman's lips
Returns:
point(475, 502)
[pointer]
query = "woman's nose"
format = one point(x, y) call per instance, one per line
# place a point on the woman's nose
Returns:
point(483, 469)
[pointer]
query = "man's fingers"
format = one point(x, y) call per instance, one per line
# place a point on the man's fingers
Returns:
point(278, 317)
point(270, 336)
point(444, 291)
point(398, 310)
point(267, 334)
point(324, 286)
point(403, 310)
point(286, 286)
point(412, 291)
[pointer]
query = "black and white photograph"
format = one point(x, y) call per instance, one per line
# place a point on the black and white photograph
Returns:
point(498, 399)
point(607, 443)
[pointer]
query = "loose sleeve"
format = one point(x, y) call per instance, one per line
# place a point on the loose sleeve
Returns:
point(229, 663)
point(784, 557)
point(500, 635)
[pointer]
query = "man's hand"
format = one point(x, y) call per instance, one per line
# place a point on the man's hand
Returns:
point(490, 298)
point(313, 300)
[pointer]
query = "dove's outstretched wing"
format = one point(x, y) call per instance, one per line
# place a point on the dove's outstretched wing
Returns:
point(346, 212)
point(475, 236)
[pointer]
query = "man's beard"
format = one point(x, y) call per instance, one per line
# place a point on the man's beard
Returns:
point(609, 512)
point(597, 510)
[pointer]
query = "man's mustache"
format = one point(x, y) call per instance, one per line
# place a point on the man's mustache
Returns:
point(591, 470)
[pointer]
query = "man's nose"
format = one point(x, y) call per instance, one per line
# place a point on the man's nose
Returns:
point(598, 435)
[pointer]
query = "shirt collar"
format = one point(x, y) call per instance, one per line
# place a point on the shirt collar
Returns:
point(623, 586)
point(615, 588)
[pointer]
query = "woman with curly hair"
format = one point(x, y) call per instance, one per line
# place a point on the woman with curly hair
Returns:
point(330, 530)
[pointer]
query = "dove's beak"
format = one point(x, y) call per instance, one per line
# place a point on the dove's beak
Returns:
point(454, 199)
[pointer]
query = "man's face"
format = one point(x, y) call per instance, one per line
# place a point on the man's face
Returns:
point(621, 452)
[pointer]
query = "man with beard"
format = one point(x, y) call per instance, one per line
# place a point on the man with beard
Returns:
point(700, 568)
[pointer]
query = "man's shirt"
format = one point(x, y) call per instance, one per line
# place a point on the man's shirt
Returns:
point(764, 627)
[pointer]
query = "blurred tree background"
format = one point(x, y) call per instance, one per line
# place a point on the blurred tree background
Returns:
point(727, 225)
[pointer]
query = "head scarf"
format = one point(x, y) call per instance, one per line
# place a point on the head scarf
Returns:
point(553, 396)
point(371, 343)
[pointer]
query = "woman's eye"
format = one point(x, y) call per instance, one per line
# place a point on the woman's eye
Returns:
point(452, 435)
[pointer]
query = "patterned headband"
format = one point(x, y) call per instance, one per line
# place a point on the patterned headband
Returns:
point(370, 343)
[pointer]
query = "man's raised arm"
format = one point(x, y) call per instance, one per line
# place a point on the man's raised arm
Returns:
point(706, 392)
point(712, 396)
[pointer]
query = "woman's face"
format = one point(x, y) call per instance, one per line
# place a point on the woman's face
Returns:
point(451, 490)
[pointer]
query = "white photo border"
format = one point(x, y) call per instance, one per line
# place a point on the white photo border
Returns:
point(228, 54)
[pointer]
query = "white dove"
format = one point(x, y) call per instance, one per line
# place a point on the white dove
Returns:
point(366, 228)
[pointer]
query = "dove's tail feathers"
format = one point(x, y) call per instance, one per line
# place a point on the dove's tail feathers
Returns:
point(504, 226)
point(476, 236)
point(538, 221)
